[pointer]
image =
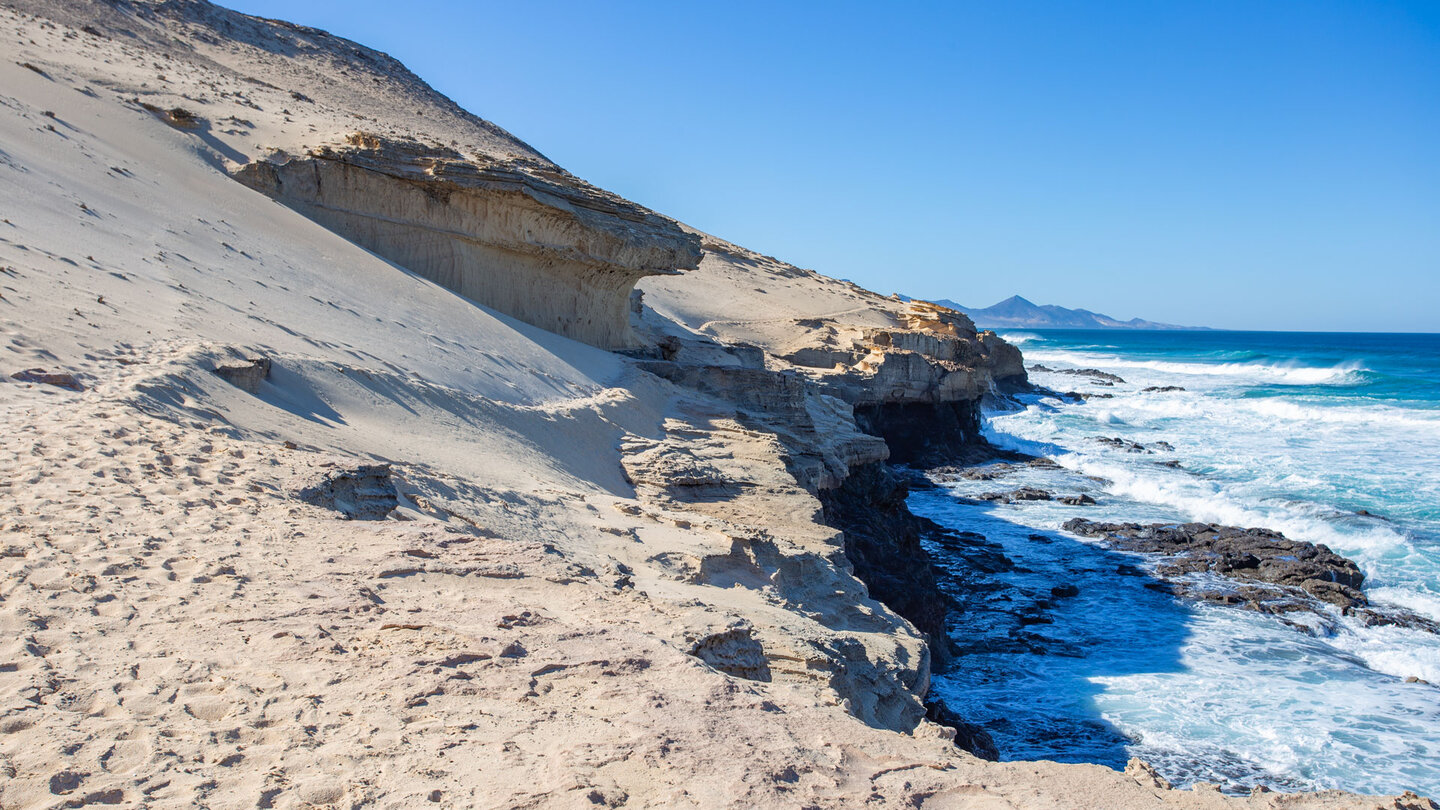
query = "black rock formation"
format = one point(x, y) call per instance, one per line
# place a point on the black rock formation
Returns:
point(882, 542)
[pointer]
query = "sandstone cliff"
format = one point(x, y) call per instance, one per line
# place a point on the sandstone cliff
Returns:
point(517, 235)
point(898, 364)
point(600, 580)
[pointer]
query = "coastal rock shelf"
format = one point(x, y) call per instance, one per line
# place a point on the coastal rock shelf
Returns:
point(1276, 574)
point(1255, 555)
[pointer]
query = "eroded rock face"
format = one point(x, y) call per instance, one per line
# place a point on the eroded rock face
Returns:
point(360, 492)
point(517, 235)
point(734, 652)
point(882, 542)
point(246, 376)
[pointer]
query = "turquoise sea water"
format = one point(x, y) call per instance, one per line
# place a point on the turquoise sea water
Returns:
point(1330, 438)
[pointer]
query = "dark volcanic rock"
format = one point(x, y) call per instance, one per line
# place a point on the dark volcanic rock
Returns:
point(968, 736)
point(882, 542)
point(1021, 494)
point(992, 470)
point(1077, 500)
point(973, 550)
point(986, 472)
point(1093, 373)
point(1120, 444)
point(926, 434)
point(1258, 555)
point(1160, 389)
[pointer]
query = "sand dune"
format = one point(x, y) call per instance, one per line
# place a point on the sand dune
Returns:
point(593, 586)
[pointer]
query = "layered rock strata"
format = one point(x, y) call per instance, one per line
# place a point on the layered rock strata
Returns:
point(911, 372)
point(516, 235)
point(849, 380)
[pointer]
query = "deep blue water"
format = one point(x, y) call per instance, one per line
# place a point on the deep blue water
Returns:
point(1297, 432)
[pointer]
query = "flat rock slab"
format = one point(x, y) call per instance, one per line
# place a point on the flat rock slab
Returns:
point(1258, 555)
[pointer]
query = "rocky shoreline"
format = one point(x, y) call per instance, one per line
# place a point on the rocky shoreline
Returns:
point(410, 451)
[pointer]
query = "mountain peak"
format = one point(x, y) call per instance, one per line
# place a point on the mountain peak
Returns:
point(1020, 312)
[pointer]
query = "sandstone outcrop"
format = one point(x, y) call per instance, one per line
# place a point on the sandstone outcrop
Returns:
point(912, 372)
point(246, 376)
point(517, 235)
point(357, 491)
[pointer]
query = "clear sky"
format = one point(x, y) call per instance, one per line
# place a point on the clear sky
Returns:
point(1230, 163)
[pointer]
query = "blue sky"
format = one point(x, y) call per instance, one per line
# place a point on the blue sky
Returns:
point(1247, 164)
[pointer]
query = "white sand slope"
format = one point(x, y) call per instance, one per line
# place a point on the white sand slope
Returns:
point(544, 620)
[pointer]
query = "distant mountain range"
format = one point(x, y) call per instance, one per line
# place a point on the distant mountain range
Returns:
point(1019, 312)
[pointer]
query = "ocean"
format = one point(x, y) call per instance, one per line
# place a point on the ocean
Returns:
point(1331, 438)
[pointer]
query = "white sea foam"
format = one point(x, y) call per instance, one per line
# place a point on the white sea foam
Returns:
point(1398, 651)
point(1288, 374)
point(1208, 501)
point(1318, 706)
point(1260, 413)
point(1019, 338)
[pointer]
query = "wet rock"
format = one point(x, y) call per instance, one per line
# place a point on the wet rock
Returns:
point(1021, 494)
point(1372, 617)
point(972, 550)
point(1263, 571)
point(986, 472)
point(1077, 500)
point(1065, 591)
point(59, 379)
point(1160, 389)
point(1093, 373)
point(361, 492)
point(1031, 494)
point(1259, 555)
point(1162, 445)
point(246, 376)
point(968, 736)
point(1120, 444)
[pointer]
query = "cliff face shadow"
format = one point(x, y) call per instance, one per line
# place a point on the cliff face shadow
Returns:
point(1039, 636)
